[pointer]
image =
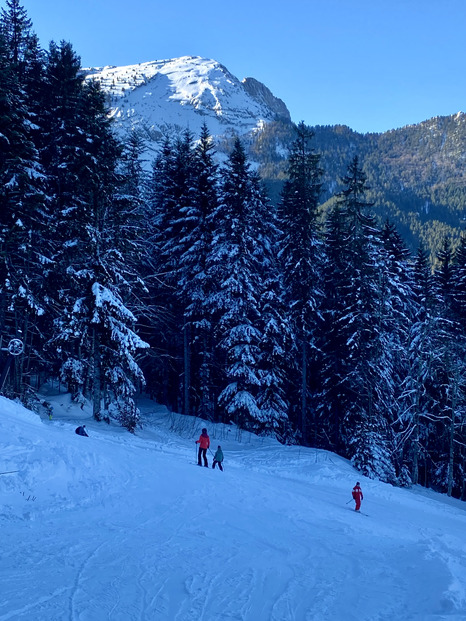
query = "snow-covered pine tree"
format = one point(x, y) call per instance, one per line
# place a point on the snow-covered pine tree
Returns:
point(451, 345)
point(162, 365)
point(300, 255)
point(194, 280)
point(459, 309)
point(187, 223)
point(130, 220)
point(93, 326)
point(434, 387)
point(333, 401)
point(275, 343)
point(21, 197)
point(16, 29)
point(133, 173)
point(397, 299)
point(173, 210)
point(116, 344)
point(365, 367)
point(61, 155)
point(418, 398)
point(233, 301)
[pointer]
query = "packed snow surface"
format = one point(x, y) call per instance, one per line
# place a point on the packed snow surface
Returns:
point(127, 527)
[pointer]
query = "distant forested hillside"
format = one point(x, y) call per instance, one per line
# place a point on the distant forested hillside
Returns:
point(416, 173)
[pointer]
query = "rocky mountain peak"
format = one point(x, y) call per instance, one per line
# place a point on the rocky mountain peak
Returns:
point(261, 93)
point(171, 95)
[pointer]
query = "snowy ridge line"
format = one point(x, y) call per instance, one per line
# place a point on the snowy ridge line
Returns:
point(169, 96)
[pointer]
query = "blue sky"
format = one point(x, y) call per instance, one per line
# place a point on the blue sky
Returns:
point(371, 64)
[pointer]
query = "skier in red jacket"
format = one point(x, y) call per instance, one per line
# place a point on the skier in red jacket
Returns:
point(204, 443)
point(357, 495)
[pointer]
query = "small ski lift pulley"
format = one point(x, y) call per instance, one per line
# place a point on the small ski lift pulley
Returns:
point(15, 347)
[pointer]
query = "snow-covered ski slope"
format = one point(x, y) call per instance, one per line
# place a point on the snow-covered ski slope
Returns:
point(127, 528)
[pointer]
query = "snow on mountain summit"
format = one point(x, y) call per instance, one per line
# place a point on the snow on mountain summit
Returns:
point(184, 93)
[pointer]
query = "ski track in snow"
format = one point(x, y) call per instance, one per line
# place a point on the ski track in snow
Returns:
point(123, 528)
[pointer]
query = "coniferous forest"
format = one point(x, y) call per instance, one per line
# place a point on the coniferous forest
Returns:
point(187, 284)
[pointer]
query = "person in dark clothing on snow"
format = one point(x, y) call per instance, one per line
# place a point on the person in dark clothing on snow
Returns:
point(218, 458)
point(81, 431)
point(204, 443)
point(357, 495)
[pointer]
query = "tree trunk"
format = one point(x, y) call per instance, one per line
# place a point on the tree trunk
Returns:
point(205, 379)
point(451, 457)
point(415, 442)
point(304, 389)
point(96, 375)
point(187, 369)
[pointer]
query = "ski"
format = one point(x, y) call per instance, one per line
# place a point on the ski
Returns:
point(361, 512)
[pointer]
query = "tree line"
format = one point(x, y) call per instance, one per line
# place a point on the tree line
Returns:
point(183, 280)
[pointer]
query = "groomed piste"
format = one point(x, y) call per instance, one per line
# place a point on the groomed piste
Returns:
point(123, 527)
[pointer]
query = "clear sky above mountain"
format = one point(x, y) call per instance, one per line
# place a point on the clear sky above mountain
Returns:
point(372, 65)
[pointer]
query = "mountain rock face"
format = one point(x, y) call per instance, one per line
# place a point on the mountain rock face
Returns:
point(169, 96)
point(261, 93)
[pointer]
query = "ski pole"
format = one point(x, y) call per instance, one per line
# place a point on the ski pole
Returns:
point(351, 499)
point(9, 472)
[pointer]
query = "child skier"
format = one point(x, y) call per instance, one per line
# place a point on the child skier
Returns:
point(357, 495)
point(218, 458)
point(204, 443)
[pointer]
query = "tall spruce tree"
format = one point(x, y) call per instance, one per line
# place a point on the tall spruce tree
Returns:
point(62, 156)
point(174, 200)
point(451, 343)
point(334, 400)
point(421, 379)
point(397, 302)
point(300, 252)
point(17, 30)
point(21, 197)
point(459, 308)
point(94, 335)
point(194, 281)
point(275, 344)
point(233, 302)
point(162, 367)
point(365, 368)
